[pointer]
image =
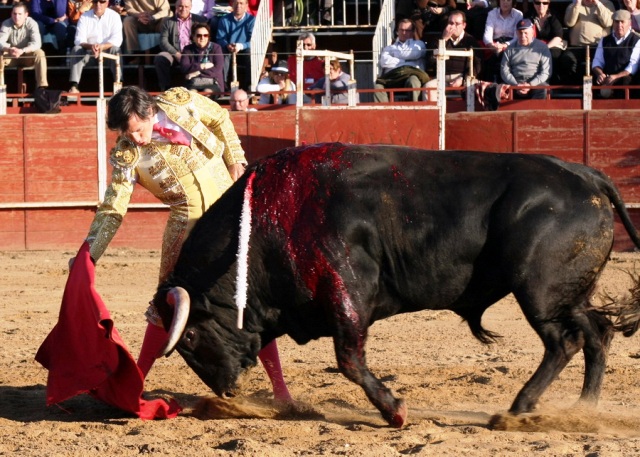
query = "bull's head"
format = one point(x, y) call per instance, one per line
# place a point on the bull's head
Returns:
point(210, 344)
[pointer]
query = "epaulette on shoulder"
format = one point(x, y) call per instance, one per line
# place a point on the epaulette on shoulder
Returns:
point(176, 96)
point(124, 155)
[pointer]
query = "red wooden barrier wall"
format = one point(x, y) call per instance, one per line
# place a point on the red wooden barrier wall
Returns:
point(53, 158)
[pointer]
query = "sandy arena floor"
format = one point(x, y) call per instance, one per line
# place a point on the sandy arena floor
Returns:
point(452, 384)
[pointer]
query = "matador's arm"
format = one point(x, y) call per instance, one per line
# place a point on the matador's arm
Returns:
point(116, 199)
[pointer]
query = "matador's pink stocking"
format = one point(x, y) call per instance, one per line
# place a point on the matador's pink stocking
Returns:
point(271, 362)
point(154, 340)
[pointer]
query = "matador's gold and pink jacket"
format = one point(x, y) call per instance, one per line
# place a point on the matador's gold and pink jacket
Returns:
point(188, 179)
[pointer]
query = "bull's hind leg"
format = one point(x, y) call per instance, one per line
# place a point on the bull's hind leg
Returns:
point(560, 345)
point(565, 329)
point(598, 332)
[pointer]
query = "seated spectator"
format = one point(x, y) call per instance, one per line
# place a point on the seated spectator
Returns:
point(234, 36)
point(278, 81)
point(202, 62)
point(616, 59)
point(207, 8)
point(312, 67)
point(527, 62)
point(118, 7)
point(75, 9)
point(99, 30)
point(633, 6)
point(338, 84)
point(548, 29)
point(203, 8)
point(430, 18)
point(476, 12)
point(498, 32)
point(457, 68)
point(589, 21)
point(175, 34)
point(143, 16)
point(402, 64)
point(51, 16)
point(239, 101)
point(21, 43)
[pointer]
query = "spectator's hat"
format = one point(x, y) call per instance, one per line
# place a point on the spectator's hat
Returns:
point(622, 15)
point(281, 67)
point(524, 24)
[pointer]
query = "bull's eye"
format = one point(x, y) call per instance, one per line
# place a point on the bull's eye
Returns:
point(190, 338)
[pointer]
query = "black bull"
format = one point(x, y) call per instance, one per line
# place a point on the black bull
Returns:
point(344, 235)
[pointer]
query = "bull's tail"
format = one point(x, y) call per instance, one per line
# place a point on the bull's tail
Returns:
point(605, 184)
point(624, 312)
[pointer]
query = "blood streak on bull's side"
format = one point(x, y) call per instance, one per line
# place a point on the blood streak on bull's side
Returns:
point(295, 204)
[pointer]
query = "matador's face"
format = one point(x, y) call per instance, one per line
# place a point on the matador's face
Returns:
point(140, 130)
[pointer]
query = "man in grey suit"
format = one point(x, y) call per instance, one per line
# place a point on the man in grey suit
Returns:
point(175, 34)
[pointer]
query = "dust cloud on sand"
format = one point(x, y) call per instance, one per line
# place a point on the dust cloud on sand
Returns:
point(457, 390)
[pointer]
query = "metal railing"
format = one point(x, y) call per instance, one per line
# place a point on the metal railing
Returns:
point(260, 38)
point(327, 13)
point(383, 35)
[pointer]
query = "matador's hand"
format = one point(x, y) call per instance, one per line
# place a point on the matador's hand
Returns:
point(236, 170)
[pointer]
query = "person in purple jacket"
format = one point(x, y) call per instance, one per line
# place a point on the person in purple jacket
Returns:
point(51, 16)
point(202, 62)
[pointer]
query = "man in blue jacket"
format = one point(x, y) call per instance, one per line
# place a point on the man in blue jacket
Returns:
point(234, 36)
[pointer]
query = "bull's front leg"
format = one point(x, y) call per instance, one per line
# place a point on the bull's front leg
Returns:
point(349, 342)
point(349, 347)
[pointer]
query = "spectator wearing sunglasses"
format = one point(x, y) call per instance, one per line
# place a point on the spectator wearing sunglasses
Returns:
point(99, 30)
point(202, 62)
point(548, 29)
point(175, 35)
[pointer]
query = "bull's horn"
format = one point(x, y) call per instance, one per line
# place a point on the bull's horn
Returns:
point(179, 299)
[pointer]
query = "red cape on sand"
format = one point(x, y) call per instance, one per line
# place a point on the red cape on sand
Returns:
point(85, 354)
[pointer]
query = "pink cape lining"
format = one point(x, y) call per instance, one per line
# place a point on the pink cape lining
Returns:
point(85, 354)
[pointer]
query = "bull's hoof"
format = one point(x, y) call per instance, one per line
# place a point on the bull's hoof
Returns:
point(399, 417)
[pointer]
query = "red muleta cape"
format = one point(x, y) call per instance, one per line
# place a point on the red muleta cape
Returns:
point(85, 354)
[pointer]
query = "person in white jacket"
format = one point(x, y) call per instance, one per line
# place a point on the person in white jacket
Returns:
point(277, 81)
point(402, 64)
